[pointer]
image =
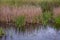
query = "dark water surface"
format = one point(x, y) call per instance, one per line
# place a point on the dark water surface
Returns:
point(32, 33)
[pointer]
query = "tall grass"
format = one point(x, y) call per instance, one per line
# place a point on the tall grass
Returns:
point(20, 21)
point(46, 17)
point(46, 5)
point(57, 20)
point(57, 23)
point(30, 2)
point(37, 19)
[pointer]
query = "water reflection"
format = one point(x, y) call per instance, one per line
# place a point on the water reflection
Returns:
point(57, 26)
point(32, 33)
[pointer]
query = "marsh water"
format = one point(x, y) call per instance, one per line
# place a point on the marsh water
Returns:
point(31, 33)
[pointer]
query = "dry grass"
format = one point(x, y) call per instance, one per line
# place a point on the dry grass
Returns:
point(10, 9)
point(56, 12)
point(9, 13)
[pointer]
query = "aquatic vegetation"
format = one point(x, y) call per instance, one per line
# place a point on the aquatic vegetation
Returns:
point(57, 20)
point(38, 19)
point(35, 19)
point(45, 5)
point(20, 21)
point(46, 17)
point(2, 32)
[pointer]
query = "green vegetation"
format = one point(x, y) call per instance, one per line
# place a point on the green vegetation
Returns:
point(46, 5)
point(56, 24)
point(46, 17)
point(29, 2)
point(57, 20)
point(20, 21)
point(1, 32)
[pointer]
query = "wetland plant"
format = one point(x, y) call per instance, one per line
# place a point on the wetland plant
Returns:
point(20, 21)
point(37, 19)
point(46, 17)
point(57, 20)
